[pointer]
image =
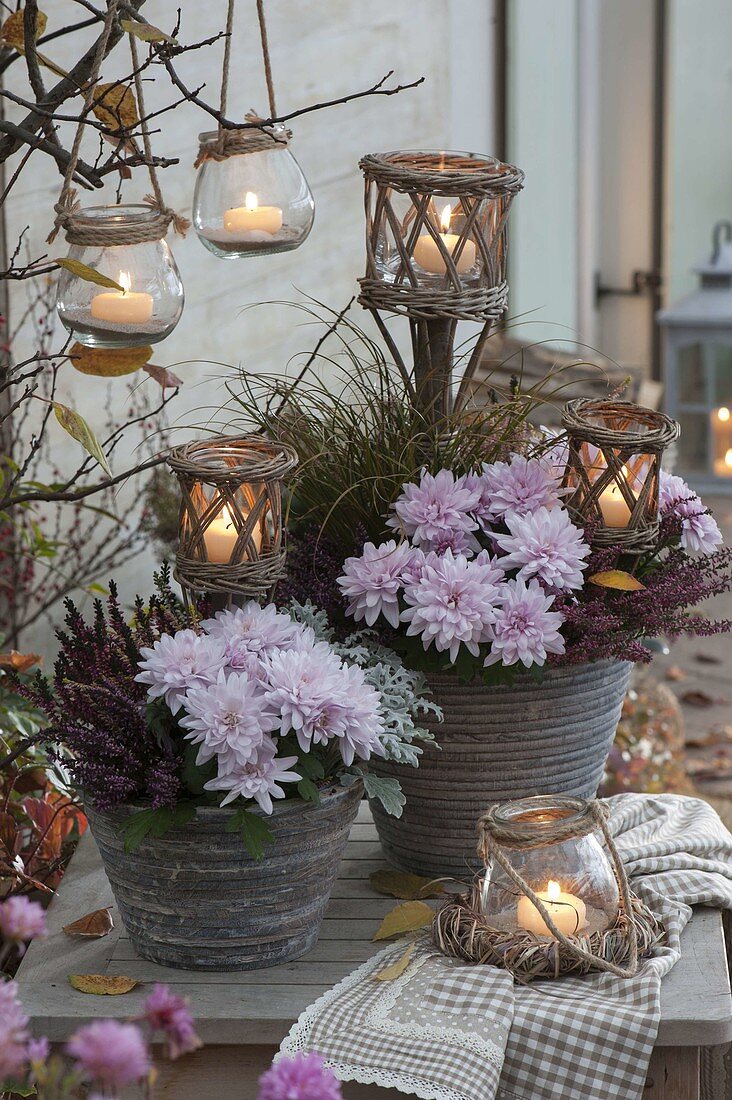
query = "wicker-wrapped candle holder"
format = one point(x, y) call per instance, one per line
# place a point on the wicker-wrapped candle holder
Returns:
point(613, 463)
point(231, 537)
point(465, 928)
point(436, 234)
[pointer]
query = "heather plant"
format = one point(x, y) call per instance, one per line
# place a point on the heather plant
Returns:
point(171, 710)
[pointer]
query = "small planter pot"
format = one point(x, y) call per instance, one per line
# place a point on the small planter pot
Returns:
point(497, 744)
point(195, 898)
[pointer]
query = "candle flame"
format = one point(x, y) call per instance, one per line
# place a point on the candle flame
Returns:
point(124, 281)
point(445, 218)
point(225, 516)
point(553, 890)
point(728, 459)
point(723, 413)
point(251, 201)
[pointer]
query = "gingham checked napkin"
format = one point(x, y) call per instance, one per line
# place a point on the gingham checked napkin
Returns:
point(445, 1030)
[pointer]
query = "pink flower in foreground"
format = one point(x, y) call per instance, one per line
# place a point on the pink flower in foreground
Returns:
point(436, 508)
point(229, 718)
point(699, 531)
point(251, 631)
point(259, 779)
point(519, 486)
point(38, 1050)
point(305, 689)
point(525, 629)
point(169, 1013)
point(545, 544)
point(304, 1077)
point(453, 603)
point(110, 1053)
point(372, 582)
point(13, 1031)
point(22, 920)
point(179, 662)
point(361, 716)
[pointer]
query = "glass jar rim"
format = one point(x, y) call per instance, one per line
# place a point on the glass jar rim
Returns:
point(541, 819)
point(134, 213)
point(210, 137)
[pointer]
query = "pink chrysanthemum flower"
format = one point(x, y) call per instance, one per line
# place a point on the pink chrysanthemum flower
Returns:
point(427, 512)
point(519, 486)
point(229, 718)
point(525, 630)
point(305, 688)
point(361, 719)
point(167, 1012)
point(699, 531)
point(252, 631)
point(13, 1031)
point(179, 662)
point(304, 1077)
point(372, 582)
point(110, 1053)
point(545, 544)
point(22, 920)
point(453, 603)
point(259, 779)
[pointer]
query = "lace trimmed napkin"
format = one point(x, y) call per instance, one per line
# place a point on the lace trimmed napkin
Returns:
point(445, 1030)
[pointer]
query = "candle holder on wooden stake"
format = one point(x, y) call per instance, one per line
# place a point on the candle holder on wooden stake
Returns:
point(231, 538)
point(513, 918)
point(436, 253)
point(613, 464)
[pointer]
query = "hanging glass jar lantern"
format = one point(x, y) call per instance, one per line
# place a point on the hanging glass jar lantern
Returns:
point(613, 462)
point(126, 244)
point(231, 538)
point(551, 842)
point(251, 196)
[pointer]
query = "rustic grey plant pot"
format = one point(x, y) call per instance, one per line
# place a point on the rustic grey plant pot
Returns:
point(197, 900)
point(498, 743)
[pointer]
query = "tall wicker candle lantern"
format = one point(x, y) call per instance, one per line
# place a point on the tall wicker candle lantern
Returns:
point(231, 537)
point(436, 253)
point(613, 462)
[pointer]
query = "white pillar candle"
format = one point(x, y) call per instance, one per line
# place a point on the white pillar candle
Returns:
point(427, 252)
point(220, 537)
point(723, 466)
point(253, 218)
point(568, 912)
point(123, 306)
point(614, 507)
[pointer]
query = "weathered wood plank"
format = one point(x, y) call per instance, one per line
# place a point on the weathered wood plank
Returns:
point(673, 1074)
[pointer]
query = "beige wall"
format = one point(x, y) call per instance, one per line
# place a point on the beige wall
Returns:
point(319, 51)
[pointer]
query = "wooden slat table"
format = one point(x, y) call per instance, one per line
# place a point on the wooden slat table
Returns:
point(242, 1017)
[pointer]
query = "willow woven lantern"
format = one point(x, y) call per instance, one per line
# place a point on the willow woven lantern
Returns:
point(554, 898)
point(231, 537)
point(614, 457)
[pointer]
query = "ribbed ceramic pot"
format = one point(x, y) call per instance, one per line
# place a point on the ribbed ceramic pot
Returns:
point(496, 744)
point(197, 900)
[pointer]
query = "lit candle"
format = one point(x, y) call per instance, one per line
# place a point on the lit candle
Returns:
point(123, 306)
point(721, 441)
point(221, 535)
point(568, 912)
point(723, 466)
point(253, 218)
point(613, 505)
point(427, 252)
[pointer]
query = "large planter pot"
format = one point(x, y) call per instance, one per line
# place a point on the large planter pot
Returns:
point(498, 743)
point(197, 900)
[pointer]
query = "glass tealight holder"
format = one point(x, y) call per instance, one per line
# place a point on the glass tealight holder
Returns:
point(251, 203)
point(149, 304)
point(552, 842)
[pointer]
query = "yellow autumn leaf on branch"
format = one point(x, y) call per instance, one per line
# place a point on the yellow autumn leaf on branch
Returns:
point(108, 362)
point(617, 578)
point(116, 108)
point(12, 32)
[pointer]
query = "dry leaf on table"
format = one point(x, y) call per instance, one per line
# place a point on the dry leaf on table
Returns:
point(402, 884)
point(408, 917)
point(111, 985)
point(389, 973)
point(674, 673)
point(707, 659)
point(93, 925)
point(699, 699)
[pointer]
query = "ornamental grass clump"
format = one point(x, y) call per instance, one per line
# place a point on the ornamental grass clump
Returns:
point(172, 710)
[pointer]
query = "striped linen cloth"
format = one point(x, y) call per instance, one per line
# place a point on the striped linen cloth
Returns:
point(445, 1030)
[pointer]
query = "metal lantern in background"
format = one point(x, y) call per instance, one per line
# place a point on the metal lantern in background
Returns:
point(697, 342)
point(614, 451)
point(231, 539)
point(251, 196)
point(127, 245)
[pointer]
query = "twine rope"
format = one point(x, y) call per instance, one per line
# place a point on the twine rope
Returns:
point(489, 848)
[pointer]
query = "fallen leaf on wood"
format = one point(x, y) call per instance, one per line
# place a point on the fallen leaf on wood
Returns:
point(93, 925)
point(699, 699)
point(408, 917)
point(19, 662)
point(707, 659)
point(389, 973)
point(617, 578)
point(402, 884)
point(674, 673)
point(111, 985)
